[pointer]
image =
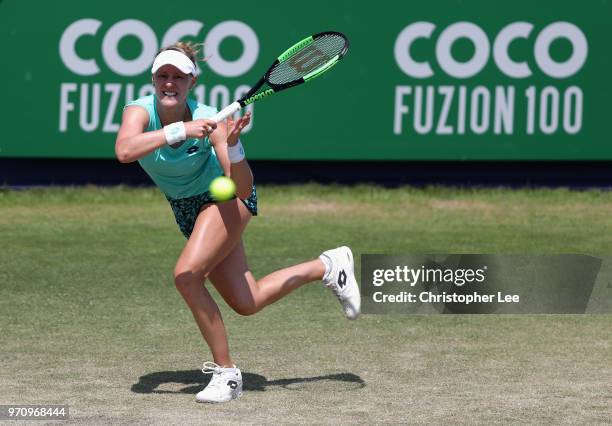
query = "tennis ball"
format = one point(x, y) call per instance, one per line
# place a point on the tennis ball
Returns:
point(222, 188)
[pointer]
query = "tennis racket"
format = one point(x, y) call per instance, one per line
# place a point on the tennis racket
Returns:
point(302, 62)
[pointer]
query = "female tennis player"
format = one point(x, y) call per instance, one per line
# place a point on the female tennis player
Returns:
point(182, 150)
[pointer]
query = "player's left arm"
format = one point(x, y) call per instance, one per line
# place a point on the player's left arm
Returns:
point(228, 134)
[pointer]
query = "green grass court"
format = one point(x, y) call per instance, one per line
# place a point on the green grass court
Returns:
point(90, 316)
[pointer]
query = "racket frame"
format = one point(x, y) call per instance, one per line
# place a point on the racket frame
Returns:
point(252, 95)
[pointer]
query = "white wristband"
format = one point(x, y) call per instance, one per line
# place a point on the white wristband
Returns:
point(175, 132)
point(235, 153)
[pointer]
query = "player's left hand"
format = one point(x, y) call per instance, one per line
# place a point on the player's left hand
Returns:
point(235, 128)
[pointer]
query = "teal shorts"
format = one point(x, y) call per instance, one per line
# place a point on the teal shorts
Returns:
point(186, 210)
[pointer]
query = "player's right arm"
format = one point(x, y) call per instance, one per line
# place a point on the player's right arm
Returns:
point(134, 142)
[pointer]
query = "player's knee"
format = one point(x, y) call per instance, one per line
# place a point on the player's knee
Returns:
point(185, 280)
point(245, 307)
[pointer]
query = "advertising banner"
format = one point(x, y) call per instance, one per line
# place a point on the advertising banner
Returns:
point(438, 80)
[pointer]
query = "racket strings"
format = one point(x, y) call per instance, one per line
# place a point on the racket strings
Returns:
point(308, 59)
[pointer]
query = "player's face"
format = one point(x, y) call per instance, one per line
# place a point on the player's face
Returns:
point(172, 85)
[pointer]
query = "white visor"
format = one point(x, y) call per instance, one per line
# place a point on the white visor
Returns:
point(174, 58)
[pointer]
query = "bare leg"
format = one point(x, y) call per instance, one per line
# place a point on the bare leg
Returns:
point(236, 284)
point(208, 317)
point(215, 250)
point(216, 232)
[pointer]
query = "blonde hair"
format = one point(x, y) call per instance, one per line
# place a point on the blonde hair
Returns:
point(189, 49)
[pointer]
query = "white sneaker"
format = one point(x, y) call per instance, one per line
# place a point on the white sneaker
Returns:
point(225, 384)
point(340, 277)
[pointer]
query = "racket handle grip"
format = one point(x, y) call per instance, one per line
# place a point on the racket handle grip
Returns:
point(226, 112)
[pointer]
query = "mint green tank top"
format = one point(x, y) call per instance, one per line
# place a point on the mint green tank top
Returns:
point(184, 171)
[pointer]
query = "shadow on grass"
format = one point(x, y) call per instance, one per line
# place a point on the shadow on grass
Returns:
point(196, 381)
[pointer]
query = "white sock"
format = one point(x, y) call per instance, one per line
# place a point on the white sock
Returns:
point(229, 368)
point(328, 266)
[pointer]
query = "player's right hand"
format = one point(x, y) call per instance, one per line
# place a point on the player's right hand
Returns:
point(199, 128)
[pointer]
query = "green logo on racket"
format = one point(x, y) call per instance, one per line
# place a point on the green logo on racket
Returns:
point(296, 47)
point(259, 96)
